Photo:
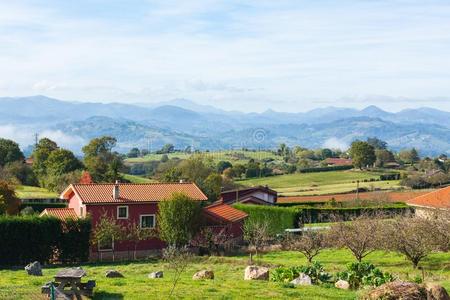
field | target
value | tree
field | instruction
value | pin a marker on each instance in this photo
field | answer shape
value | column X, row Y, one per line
column 100, row 161
column 383, row 156
column 223, row 165
column 9, row 152
column 9, row 203
column 59, row 164
column 212, row 241
column 257, row 234
column 310, row 243
column 377, row 143
column 106, row 232
column 40, row 155
column 135, row 234
column 412, row 237
column 134, row 152
column 18, row 172
column 171, row 175
column 178, row 219
column 86, row 178
column 212, row 186
column 362, row 154
column 167, row 148
column 177, row 260
column 360, row 236
column 409, row 156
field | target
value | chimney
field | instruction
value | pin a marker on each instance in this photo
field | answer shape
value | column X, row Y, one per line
column 116, row 190
column 181, row 181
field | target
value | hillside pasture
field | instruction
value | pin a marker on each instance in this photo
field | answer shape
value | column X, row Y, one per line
column 33, row 192
column 228, row 282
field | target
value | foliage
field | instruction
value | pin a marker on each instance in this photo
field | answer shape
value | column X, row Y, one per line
column 212, row 242
column 376, row 143
column 364, row 274
column 39, row 206
column 278, row 218
column 362, row 154
column 107, row 231
column 223, row 165
column 314, row 270
column 134, row 152
column 103, row 164
column 40, row 155
column 135, row 233
column 9, row 152
column 310, row 243
column 324, row 169
column 18, row 172
column 212, row 186
column 178, row 219
column 73, row 246
column 86, row 178
column 9, row 203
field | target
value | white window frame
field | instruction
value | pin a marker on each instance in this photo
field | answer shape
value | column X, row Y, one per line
column 106, row 249
column 118, row 208
column 147, row 215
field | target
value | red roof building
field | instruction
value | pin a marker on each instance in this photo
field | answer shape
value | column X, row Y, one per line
column 222, row 217
column 334, row 161
column 60, row 213
column 254, row 195
column 439, row 199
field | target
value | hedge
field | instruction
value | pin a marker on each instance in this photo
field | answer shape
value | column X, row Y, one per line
column 40, row 206
column 279, row 218
column 31, row 238
column 325, row 169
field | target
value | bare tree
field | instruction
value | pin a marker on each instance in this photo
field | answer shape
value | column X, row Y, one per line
column 257, row 234
column 177, row 260
column 441, row 229
column 360, row 236
column 136, row 233
column 412, row 237
column 310, row 243
column 213, row 241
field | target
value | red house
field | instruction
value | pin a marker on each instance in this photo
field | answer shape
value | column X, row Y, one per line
column 128, row 203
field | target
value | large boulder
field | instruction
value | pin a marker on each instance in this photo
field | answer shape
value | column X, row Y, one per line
column 203, row 274
column 342, row 284
column 397, row 290
column 113, row 274
column 34, row 269
column 256, row 273
column 157, row 274
column 302, row 279
column 436, row 292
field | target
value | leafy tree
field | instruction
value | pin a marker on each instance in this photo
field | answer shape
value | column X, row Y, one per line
column 383, row 156
column 19, row 172
column 283, row 150
column 362, row 154
column 61, row 161
column 86, row 178
column 172, row 175
column 377, row 143
column 223, row 165
column 164, row 158
column 134, row 152
column 107, row 231
column 212, row 186
column 40, row 154
column 195, row 169
column 9, row 203
column 100, row 161
column 167, row 148
column 178, row 219
column 238, row 170
column 409, row 156
column 253, row 169
column 326, row 153
column 9, row 152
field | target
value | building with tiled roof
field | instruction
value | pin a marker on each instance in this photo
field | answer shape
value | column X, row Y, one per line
column 60, row 213
column 438, row 199
column 222, row 217
column 335, row 161
column 253, row 195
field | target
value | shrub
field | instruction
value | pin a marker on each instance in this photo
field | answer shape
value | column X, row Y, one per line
column 364, row 274
column 278, row 218
column 39, row 206
column 73, row 245
column 315, row 271
column 325, row 169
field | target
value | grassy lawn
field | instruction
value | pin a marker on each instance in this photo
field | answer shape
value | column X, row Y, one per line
column 231, row 156
column 321, row 183
column 136, row 179
column 228, row 282
column 33, row 192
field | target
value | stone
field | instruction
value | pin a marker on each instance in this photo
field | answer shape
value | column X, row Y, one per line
column 256, row 273
column 342, row 284
column 203, row 274
column 113, row 274
column 157, row 274
column 302, row 279
column 397, row 290
column 34, row 269
column 436, row 292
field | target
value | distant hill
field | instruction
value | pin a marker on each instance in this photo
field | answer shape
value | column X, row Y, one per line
column 185, row 123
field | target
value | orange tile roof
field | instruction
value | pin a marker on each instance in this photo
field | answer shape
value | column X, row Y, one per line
column 132, row 192
column 60, row 213
column 436, row 199
column 339, row 161
column 225, row 212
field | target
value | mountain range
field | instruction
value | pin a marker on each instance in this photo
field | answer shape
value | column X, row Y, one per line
column 185, row 123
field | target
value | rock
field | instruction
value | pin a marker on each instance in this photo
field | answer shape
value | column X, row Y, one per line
column 256, row 273
column 34, row 269
column 436, row 292
column 157, row 274
column 203, row 274
column 303, row 279
column 342, row 284
column 397, row 290
column 113, row 274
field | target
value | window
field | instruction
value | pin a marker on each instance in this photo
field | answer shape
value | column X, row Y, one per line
column 147, row 221
column 107, row 245
column 122, row 212
column 81, row 211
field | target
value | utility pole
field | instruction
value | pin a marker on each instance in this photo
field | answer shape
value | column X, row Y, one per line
column 357, row 189
column 36, row 139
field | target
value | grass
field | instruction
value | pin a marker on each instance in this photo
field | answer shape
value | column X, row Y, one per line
column 136, row 179
column 33, row 192
column 234, row 156
column 322, row 183
column 228, row 282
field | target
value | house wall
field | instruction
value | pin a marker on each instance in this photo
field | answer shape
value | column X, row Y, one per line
column 134, row 212
column 77, row 205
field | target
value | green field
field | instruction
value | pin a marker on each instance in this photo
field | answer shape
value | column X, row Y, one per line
column 136, row 179
column 232, row 156
column 321, row 183
column 33, row 192
column 228, row 282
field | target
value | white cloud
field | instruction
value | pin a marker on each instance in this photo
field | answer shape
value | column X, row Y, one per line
column 335, row 143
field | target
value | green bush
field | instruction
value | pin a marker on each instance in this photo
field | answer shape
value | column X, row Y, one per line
column 39, row 206
column 29, row 238
column 325, row 169
column 360, row 274
column 315, row 271
column 279, row 218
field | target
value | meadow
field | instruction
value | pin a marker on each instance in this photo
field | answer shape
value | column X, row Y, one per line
column 228, row 282
column 33, row 192
column 322, row 183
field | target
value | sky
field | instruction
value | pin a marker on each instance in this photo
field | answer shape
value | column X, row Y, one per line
column 237, row 55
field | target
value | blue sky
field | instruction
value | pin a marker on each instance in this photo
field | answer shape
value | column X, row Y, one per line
column 243, row 55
